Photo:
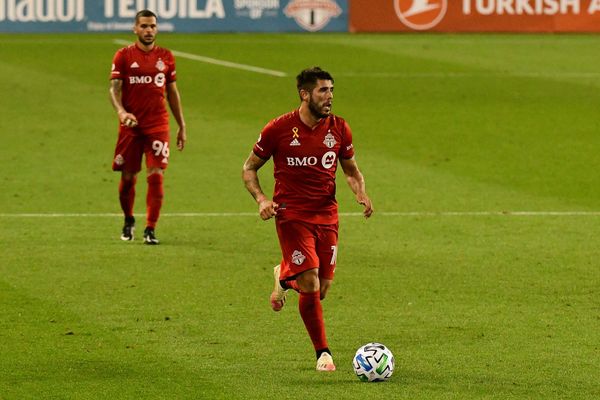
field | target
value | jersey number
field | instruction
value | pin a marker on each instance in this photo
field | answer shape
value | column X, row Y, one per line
column 334, row 255
column 161, row 148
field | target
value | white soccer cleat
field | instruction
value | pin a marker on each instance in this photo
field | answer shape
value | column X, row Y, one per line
column 325, row 363
column 278, row 296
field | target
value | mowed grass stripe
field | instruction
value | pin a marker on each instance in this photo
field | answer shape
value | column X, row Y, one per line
column 223, row 63
column 473, row 74
column 342, row 214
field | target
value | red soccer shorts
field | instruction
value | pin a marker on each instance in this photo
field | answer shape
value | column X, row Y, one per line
column 132, row 144
column 307, row 246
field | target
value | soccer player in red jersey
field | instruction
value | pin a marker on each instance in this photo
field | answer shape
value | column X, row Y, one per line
column 142, row 75
column 306, row 145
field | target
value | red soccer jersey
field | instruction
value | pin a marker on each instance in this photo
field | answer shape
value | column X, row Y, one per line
column 145, row 76
column 305, row 162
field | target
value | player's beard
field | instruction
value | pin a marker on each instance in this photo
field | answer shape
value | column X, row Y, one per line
column 145, row 41
column 316, row 111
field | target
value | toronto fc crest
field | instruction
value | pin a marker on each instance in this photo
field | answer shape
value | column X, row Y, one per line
column 297, row 257
column 329, row 140
column 312, row 15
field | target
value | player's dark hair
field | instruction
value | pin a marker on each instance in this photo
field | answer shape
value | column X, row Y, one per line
column 144, row 13
column 307, row 79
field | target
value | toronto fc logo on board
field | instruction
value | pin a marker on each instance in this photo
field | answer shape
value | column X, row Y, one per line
column 312, row 15
column 420, row 15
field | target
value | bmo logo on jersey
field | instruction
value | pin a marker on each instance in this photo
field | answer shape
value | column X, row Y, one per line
column 327, row 161
column 301, row 161
column 159, row 80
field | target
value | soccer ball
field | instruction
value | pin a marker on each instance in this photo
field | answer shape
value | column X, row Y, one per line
column 373, row 362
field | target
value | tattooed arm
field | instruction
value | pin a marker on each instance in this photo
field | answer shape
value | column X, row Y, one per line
column 116, row 91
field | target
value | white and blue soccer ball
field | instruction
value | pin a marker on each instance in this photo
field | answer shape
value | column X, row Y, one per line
column 373, row 362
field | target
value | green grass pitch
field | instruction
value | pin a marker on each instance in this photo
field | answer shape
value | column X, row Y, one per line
column 454, row 133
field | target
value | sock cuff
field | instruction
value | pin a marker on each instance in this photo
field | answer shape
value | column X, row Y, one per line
column 306, row 295
column 154, row 178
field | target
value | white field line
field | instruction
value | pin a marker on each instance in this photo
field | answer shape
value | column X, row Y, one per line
column 215, row 61
column 343, row 214
column 393, row 74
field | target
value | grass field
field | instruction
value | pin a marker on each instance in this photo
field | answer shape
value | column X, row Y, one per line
column 479, row 269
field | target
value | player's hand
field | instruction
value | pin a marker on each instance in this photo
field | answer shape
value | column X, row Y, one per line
column 366, row 203
column 267, row 209
column 128, row 119
column 181, row 138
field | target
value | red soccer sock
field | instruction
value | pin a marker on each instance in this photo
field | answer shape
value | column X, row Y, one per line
column 127, row 195
column 154, row 199
column 312, row 315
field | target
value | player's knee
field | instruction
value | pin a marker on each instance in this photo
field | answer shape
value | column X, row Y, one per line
column 128, row 176
column 308, row 281
column 153, row 171
column 309, row 286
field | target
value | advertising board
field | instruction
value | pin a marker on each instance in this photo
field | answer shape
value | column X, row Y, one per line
column 475, row 16
column 175, row 15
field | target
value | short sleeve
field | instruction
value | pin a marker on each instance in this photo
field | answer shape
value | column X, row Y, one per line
column 118, row 65
column 347, row 148
column 172, row 75
column 265, row 144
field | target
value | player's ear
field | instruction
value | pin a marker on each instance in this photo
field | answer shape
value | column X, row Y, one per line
column 304, row 95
